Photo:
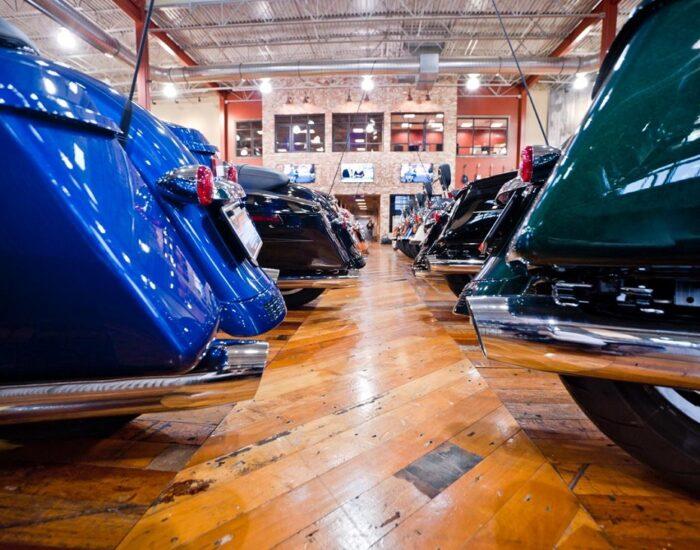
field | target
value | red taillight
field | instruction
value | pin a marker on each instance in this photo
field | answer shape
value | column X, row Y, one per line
column 232, row 174
column 205, row 185
column 436, row 215
column 526, row 159
column 274, row 219
column 482, row 248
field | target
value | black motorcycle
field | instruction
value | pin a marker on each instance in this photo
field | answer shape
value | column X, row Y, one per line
column 304, row 236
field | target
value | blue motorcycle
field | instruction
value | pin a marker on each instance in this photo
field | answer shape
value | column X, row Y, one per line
column 121, row 260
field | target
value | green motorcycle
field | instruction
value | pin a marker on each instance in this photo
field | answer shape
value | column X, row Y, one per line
column 599, row 278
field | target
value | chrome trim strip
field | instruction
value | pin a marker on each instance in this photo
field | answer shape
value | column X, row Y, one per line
column 230, row 371
column 320, row 281
column 271, row 272
column 447, row 267
column 534, row 332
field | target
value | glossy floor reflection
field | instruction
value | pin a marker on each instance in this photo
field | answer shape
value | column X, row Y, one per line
column 376, row 423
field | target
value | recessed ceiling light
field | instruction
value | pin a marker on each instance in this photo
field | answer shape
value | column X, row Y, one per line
column 66, row 39
column 473, row 83
column 580, row 82
column 169, row 90
column 265, row 86
column 367, row 83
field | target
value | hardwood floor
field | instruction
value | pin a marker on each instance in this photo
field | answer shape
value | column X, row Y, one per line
column 377, row 424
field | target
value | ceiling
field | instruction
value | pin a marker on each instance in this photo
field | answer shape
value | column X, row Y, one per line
column 232, row 31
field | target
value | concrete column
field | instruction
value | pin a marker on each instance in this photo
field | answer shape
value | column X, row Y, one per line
column 384, row 213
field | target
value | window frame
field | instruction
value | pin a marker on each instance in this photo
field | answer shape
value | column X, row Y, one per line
column 474, row 118
column 319, row 122
column 253, row 136
column 425, row 123
column 351, row 122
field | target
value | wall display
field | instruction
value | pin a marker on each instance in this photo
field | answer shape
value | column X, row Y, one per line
column 418, row 172
column 357, row 173
column 300, row 173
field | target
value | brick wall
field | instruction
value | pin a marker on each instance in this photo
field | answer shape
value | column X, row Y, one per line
column 386, row 163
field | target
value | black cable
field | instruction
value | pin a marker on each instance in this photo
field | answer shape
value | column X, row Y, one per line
column 125, row 122
column 522, row 76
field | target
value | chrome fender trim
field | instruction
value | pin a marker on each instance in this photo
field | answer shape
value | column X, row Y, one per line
column 320, row 281
column 229, row 372
column 451, row 267
column 534, row 332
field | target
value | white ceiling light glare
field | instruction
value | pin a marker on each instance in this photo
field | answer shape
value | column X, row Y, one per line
column 367, row 83
column 66, row 39
column 169, row 90
column 265, row 86
column 473, row 83
column 580, row 82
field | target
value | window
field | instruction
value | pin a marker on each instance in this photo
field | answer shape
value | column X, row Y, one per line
column 417, row 131
column 300, row 133
column 357, row 132
column 482, row 136
column 249, row 138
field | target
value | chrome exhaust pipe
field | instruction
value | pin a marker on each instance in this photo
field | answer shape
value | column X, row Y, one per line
column 320, row 281
column 229, row 372
column 454, row 267
column 534, row 332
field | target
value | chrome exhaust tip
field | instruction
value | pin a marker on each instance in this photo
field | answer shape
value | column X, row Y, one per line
column 320, row 281
column 229, row 372
column 454, row 267
column 534, row 332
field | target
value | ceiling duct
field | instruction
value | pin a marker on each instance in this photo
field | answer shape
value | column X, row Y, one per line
column 429, row 68
column 67, row 16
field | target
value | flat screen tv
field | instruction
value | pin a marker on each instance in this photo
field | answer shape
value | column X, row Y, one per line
column 300, row 173
column 357, row 173
column 417, row 172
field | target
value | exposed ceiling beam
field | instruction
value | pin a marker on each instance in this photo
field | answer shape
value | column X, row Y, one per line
column 355, row 39
column 577, row 34
column 134, row 11
column 384, row 17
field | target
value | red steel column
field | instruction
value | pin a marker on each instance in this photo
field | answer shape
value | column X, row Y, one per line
column 143, row 78
column 609, row 26
column 223, row 124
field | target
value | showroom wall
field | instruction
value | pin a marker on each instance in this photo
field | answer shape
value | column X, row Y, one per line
column 567, row 109
column 241, row 111
column 386, row 163
column 204, row 113
column 201, row 112
column 476, row 167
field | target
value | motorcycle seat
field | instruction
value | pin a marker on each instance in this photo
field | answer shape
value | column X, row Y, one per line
column 259, row 178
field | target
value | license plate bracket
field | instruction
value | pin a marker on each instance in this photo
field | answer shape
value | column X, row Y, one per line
column 244, row 229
